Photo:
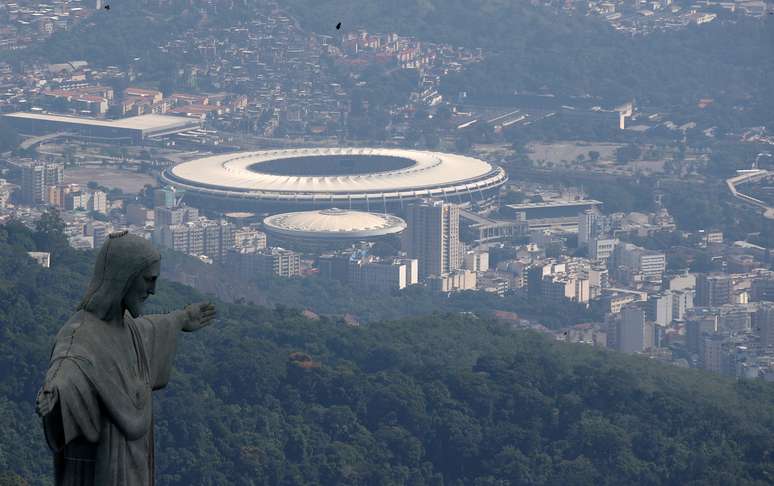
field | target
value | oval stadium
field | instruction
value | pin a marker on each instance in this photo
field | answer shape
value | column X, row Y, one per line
column 311, row 178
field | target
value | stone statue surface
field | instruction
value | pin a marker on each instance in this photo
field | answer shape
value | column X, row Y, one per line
column 95, row 402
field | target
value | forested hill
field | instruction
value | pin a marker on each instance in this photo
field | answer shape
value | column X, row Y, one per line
column 533, row 48
column 269, row 397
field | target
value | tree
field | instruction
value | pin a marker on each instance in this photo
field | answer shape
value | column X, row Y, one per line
column 49, row 232
column 463, row 143
column 513, row 197
column 627, row 153
column 593, row 155
column 432, row 140
column 115, row 193
column 443, row 115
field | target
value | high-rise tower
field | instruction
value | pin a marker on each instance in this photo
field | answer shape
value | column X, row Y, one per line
column 433, row 237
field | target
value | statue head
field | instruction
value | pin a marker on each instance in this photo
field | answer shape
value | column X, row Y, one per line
column 124, row 276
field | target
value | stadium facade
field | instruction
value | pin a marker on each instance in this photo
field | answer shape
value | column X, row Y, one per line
column 374, row 179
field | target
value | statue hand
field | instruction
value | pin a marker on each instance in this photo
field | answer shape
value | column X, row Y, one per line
column 199, row 315
column 46, row 401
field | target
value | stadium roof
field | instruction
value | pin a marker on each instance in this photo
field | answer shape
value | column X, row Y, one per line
column 334, row 223
column 425, row 174
column 142, row 122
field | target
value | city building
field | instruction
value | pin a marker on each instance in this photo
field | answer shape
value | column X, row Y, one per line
column 42, row 258
column 57, row 195
column 682, row 301
column 452, row 282
column 560, row 286
column 433, row 237
column 736, row 318
column 198, row 237
column 492, row 282
column 712, row 355
column 631, row 330
column 36, row 178
column 476, row 261
column 591, row 225
column 601, row 248
column 599, row 279
column 335, row 266
column 559, row 214
column 482, row 229
column 647, row 264
column 250, row 263
column 5, row 193
column 679, row 281
column 98, row 231
column 696, row 327
column 713, row 290
column 713, row 238
column 164, row 198
column 247, row 237
column 763, row 323
column 556, row 280
column 218, row 239
column 77, row 200
column 659, row 308
column 98, row 202
column 164, row 216
column 383, row 275
column 278, row 261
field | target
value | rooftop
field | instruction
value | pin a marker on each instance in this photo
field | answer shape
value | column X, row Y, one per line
column 556, row 203
column 334, row 222
column 143, row 122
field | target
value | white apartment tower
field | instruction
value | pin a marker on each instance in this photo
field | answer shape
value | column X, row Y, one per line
column 433, row 237
column 36, row 177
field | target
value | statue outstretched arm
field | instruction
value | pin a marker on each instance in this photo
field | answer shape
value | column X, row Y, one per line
column 159, row 333
column 197, row 316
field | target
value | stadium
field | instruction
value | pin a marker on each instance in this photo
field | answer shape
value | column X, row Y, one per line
column 329, row 228
column 366, row 178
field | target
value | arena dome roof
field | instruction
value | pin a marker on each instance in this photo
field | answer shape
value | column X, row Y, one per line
column 334, row 223
column 336, row 176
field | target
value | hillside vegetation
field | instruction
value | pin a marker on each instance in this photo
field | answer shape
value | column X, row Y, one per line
column 267, row 397
column 534, row 47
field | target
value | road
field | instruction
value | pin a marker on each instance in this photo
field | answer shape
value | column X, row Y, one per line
column 747, row 177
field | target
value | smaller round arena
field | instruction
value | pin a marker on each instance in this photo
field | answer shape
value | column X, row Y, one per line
column 329, row 228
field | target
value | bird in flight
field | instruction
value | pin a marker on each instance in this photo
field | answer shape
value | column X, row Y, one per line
column 338, row 26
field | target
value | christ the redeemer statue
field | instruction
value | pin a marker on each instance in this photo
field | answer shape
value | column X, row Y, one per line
column 96, row 399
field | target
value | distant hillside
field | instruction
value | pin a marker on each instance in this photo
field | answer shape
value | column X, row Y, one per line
column 529, row 49
column 267, row 397
column 533, row 47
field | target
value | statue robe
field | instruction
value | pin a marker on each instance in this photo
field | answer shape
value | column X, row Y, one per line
column 101, row 430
